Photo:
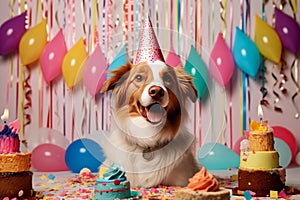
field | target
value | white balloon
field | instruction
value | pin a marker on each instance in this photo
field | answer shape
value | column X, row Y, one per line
column 46, row 136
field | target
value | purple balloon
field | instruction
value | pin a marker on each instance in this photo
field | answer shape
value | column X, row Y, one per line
column 11, row 33
column 288, row 30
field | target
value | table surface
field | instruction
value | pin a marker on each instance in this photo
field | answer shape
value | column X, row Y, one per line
column 67, row 185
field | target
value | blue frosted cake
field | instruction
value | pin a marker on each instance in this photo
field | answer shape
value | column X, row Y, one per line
column 113, row 185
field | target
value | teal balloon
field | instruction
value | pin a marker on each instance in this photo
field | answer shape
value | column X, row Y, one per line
column 284, row 151
column 216, row 156
column 245, row 53
column 196, row 68
column 120, row 60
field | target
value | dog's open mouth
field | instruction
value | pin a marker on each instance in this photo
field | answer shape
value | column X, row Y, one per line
column 154, row 113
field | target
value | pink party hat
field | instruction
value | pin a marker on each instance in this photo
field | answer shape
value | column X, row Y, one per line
column 148, row 50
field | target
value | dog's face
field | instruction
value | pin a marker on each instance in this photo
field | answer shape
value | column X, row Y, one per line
column 149, row 100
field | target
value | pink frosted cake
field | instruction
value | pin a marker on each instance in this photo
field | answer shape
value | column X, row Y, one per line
column 15, row 174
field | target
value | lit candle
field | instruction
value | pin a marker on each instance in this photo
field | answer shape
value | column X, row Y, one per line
column 260, row 113
column 5, row 115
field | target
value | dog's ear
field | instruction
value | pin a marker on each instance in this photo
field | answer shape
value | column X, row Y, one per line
column 119, row 76
column 186, row 84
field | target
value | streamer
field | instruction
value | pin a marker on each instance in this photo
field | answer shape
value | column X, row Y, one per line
column 294, row 76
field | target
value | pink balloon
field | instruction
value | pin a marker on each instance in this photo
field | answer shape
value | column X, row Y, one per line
column 49, row 158
column 287, row 136
column 94, row 73
column 11, row 33
column 52, row 57
column 236, row 147
column 221, row 63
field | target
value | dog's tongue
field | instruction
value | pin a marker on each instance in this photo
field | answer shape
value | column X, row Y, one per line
column 155, row 113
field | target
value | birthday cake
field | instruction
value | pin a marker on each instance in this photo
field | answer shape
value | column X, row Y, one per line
column 15, row 174
column 259, row 170
column 202, row 186
column 112, row 184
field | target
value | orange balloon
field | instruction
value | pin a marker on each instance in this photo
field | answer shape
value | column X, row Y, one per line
column 33, row 42
column 267, row 40
column 73, row 64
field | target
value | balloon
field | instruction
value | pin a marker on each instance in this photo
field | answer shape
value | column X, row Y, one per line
column 33, row 42
column 215, row 156
column 52, row 57
column 48, row 158
column 288, row 137
column 221, row 63
column 46, row 135
column 285, row 155
column 94, row 73
column 297, row 158
column 267, row 40
column 84, row 153
column 236, row 147
column 245, row 53
column 120, row 60
column 11, row 33
column 288, row 30
column 73, row 62
column 196, row 68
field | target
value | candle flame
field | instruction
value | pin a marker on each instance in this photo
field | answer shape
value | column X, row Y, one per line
column 5, row 114
column 260, row 112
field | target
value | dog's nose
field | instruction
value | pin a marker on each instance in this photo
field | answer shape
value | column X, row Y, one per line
column 156, row 92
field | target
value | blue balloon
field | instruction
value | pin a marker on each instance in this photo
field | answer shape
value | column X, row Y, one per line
column 84, row 153
column 119, row 61
column 284, row 151
column 245, row 53
column 215, row 156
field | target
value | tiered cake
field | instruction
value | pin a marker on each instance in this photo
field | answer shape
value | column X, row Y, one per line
column 259, row 169
column 15, row 177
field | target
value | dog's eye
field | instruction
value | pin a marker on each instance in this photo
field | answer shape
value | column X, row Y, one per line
column 167, row 78
column 139, row 77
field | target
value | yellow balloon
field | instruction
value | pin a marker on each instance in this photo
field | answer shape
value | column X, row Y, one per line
column 267, row 40
column 73, row 63
column 33, row 42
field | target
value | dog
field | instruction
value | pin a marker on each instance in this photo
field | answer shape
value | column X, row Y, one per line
column 148, row 137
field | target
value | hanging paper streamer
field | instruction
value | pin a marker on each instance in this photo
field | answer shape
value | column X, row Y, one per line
column 172, row 58
column 52, row 57
column 120, row 60
column 288, row 30
column 196, row 68
column 267, row 40
column 94, row 73
column 11, row 33
column 245, row 53
column 72, row 64
column 221, row 63
column 32, row 43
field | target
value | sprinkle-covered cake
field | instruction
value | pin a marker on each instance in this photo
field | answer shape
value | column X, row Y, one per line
column 15, row 174
column 202, row 186
column 259, row 170
column 112, row 184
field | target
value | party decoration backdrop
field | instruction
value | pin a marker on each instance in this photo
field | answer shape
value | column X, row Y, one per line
column 241, row 54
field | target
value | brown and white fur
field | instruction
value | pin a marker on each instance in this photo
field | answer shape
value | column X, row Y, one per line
column 148, row 138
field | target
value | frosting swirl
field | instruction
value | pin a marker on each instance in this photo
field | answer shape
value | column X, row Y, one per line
column 114, row 172
column 203, row 181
